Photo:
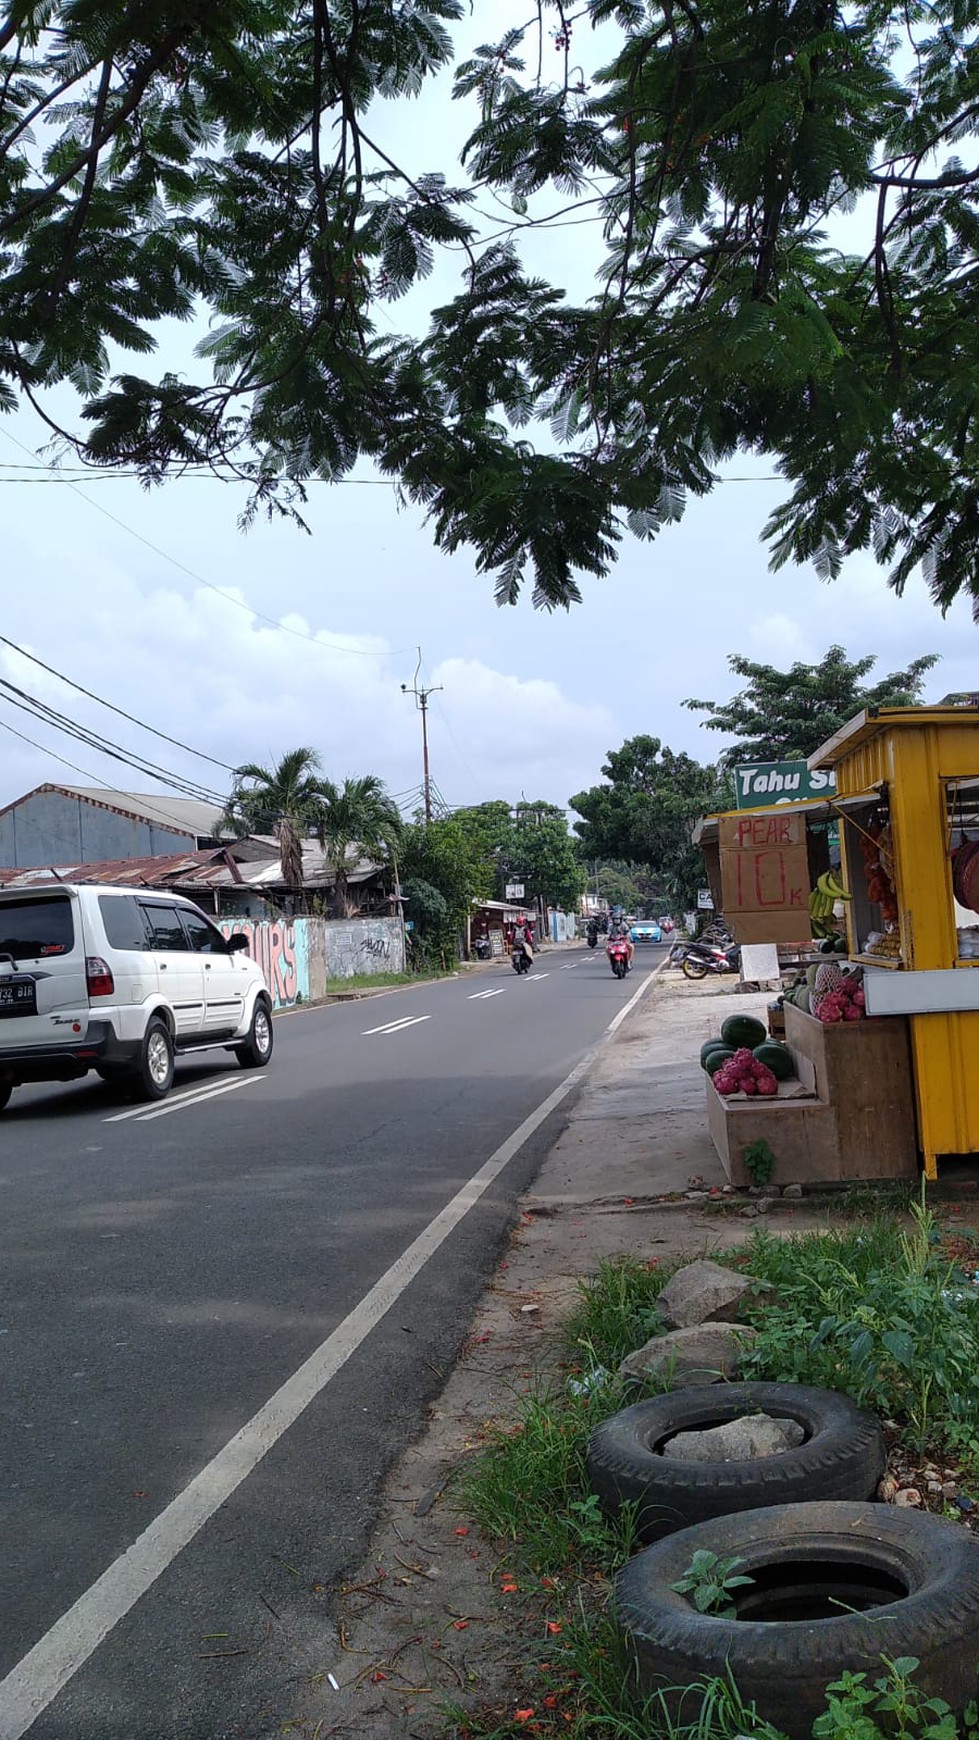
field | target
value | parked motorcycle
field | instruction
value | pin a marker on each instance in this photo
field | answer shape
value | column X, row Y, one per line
column 521, row 961
column 618, row 951
column 701, row 958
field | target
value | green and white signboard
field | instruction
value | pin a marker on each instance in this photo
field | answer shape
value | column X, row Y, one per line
column 780, row 782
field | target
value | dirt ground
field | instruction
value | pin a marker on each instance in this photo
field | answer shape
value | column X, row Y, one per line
column 432, row 1618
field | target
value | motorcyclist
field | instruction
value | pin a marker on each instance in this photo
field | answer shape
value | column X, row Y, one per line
column 618, row 929
column 523, row 939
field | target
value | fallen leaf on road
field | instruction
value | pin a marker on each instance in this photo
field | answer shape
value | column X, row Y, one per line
column 461, row 1531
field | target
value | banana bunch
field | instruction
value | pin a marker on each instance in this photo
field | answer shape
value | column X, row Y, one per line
column 828, row 890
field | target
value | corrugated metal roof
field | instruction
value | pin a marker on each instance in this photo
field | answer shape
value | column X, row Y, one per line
column 213, row 866
column 189, row 815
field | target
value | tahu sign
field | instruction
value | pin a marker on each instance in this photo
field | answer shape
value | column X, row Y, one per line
column 765, row 877
column 781, row 782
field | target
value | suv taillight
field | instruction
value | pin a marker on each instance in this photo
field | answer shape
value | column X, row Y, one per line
column 98, row 979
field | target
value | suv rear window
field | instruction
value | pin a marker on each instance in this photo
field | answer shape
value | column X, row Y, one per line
column 124, row 927
column 32, row 929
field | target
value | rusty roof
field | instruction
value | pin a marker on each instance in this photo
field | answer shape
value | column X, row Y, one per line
column 215, row 865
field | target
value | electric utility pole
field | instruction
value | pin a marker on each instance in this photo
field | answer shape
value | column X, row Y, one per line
column 421, row 702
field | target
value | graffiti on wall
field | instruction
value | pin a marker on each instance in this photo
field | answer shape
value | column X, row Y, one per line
column 281, row 948
column 378, row 947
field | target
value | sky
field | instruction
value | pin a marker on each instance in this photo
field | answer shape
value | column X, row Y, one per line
column 244, row 645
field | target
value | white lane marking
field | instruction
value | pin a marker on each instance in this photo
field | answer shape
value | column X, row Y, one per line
column 38, row 1678
column 397, row 1026
column 213, row 1093
column 480, row 996
column 532, row 976
column 188, row 1093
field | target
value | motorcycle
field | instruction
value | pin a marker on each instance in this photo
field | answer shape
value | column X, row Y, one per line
column 617, row 950
column 522, row 962
column 592, row 936
column 701, row 958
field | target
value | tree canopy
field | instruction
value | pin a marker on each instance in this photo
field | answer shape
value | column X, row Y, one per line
column 285, row 801
column 784, row 715
column 645, row 812
column 785, row 244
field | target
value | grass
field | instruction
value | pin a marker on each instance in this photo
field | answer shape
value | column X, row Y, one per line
column 380, row 981
column 887, row 1313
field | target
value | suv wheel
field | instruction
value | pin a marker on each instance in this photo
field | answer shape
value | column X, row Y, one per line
column 257, row 1049
column 154, row 1073
column 6, row 1089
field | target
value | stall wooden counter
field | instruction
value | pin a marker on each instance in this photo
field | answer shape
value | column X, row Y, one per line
column 859, row 1124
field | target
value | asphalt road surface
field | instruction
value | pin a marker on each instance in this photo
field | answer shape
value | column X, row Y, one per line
column 223, row 1317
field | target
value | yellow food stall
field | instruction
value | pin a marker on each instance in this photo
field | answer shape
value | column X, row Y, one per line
column 908, row 788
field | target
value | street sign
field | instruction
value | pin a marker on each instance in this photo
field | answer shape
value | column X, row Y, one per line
column 705, row 901
column 514, row 890
column 781, row 782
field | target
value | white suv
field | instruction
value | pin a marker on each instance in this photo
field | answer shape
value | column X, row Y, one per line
column 105, row 979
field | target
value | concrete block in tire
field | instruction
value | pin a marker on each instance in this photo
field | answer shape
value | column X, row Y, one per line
column 916, row 1576
column 842, row 1456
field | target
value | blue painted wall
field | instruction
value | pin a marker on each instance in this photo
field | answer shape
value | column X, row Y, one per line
column 55, row 828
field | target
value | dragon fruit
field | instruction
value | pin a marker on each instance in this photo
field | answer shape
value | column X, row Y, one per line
column 745, row 1074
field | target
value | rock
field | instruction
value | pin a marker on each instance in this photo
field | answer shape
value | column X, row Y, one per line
column 704, row 1292
column 763, row 1190
column 887, row 1489
column 765, row 1205
column 792, row 1190
column 751, row 1212
column 737, row 1440
column 702, row 1353
column 949, row 1490
column 934, row 1488
column 697, row 1195
column 908, row 1497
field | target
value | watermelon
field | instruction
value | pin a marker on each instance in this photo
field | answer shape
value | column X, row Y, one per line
column 743, row 1032
column 777, row 1058
column 716, row 1059
column 709, row 1045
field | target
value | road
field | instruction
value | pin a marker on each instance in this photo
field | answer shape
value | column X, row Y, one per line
column 169, row 1534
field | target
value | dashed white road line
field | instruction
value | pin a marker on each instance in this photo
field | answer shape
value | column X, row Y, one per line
column 480, row 996
column 189, row 1097
column 532, row 976
column 397, row 1026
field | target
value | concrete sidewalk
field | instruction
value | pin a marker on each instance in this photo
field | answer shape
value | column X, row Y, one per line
column 423, row 1622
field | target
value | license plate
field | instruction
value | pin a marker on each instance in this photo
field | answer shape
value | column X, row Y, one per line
column 18, row 997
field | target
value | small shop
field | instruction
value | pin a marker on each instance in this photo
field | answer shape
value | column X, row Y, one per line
column 866, row 907
column 494, row 924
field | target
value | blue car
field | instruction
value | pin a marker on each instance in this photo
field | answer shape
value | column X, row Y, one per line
column 646, row 930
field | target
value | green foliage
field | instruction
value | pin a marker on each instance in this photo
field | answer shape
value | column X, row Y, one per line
column 237, row 159
column 529, row 1485
column 283, row 801
column 786, row 715
column 360, row 815
column 709, row 1581
column 645, row 812
column 879, row 1313
column 451, row 860
column 890, row 1707
column 758, row 1161
column 616, row 1309
column 531, row 845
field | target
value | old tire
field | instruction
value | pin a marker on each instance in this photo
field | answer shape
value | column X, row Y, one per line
column 842, row 1456
column 6, row 1089
column 913, row 1577
column 154, row 1072
column 257, row 1049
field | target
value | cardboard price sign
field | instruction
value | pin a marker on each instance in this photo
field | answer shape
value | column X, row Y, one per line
column 765, row 877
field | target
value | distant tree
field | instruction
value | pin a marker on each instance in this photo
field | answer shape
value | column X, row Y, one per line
column 627, row 885
column 357, row 813
column 285, row 801
column 645, row 811
column 543, row 857
column 785, row 715
column 428, row 912
column 446, row 856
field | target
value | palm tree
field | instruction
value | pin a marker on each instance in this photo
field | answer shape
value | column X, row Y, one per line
column 285, row 800
column 357, row 813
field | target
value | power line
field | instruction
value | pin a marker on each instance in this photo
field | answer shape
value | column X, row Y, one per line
column 314, row 640
column 16, row 697
column 176, row 742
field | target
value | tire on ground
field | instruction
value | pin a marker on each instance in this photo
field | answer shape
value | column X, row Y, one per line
column 154, row 1072
column 257, row 1048
column 924, row 1569
column 6, row 1089
column 842, row 1456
